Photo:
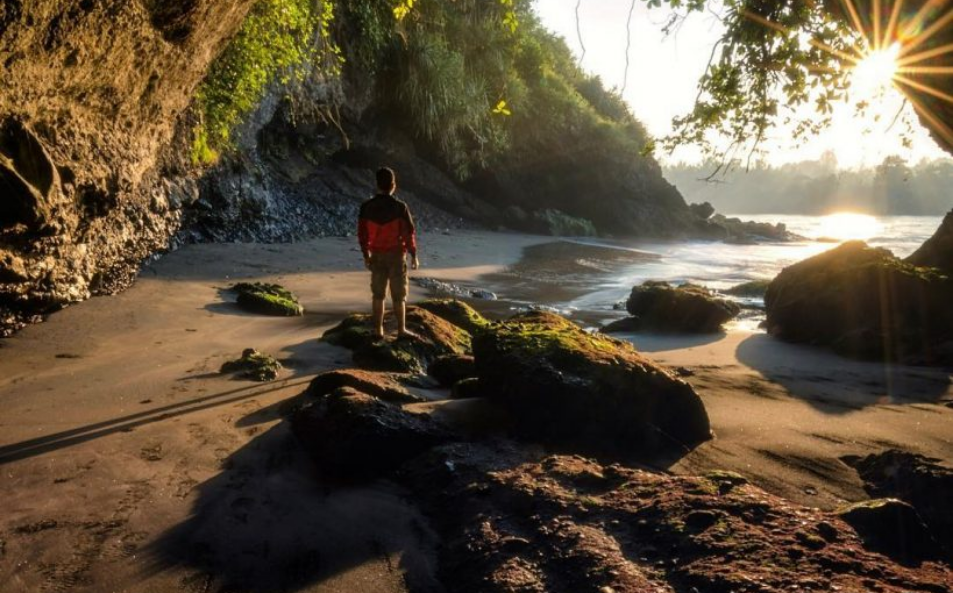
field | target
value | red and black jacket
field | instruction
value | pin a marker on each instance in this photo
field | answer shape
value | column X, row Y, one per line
column 385, row 225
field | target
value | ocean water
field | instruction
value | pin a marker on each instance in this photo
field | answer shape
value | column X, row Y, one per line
column 720, row 265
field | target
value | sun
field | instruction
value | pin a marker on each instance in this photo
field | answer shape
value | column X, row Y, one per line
column 847, row 226
column 875, row 72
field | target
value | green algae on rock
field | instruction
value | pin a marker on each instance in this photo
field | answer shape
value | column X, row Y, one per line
column 586, row 391
column 456, row 312
column 253, row 365
column 434, row 337
column 267, row 299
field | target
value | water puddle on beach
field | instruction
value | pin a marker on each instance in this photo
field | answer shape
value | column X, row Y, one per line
column 589, row 278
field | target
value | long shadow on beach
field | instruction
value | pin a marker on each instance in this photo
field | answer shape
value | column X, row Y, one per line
column 267, row 524
column 838, row 385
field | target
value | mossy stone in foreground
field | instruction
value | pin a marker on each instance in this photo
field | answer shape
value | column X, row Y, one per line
column 267, row 299
column 435, row 337
column 586, row 391
column 254, row 365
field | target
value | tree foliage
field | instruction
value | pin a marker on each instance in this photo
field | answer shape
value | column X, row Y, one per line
column 279, row 41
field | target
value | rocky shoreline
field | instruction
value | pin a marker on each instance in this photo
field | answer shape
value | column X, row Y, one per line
column 513, row 516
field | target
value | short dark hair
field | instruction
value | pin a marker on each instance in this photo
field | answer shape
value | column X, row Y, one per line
column 386, row 179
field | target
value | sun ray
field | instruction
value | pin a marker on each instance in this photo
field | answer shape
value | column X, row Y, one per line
column 822, row 46
column 925, row 70
column 925, row 55
column 858, row 23
column 892, row 24
column 910, row 28
column 878, row 43
column 941, row 128
column 917, row 39
column 925, row 88
column 930, row 31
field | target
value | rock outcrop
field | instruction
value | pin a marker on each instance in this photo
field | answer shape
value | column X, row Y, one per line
column 354, row 436
column 90, row 103
column 511, row 520
column 864, row 302
column 659, row 306
column 586, row 392
column 434, row 337
column 924, row 483
column 892, row 527
column 937, row 251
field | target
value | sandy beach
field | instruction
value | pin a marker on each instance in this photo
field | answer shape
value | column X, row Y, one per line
column 130, row 464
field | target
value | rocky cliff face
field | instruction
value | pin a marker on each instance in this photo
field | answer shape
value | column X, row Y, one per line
column 91, row 96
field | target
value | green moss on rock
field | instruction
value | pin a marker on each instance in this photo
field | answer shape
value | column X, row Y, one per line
column 458, row 313
column 253, row 365
column 267, row 299
column 435, row 337
column 754, row 288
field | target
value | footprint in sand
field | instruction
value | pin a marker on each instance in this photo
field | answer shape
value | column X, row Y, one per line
column 151, row 453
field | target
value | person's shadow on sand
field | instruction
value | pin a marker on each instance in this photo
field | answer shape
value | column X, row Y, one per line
column 837, row 385
column 266, row 524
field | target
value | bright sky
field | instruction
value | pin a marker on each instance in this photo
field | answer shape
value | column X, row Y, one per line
column 664, row 72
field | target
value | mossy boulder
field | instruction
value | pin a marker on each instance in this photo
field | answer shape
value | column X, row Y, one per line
column 451, row 368
column 864, row 302
column 937, row 251
column 752, row 289
column 355, row 436
column 689, row 308
column 893, row 528
column 253, row 365
column 267, row 299
column 384, row 386
column 435, row 337
column 456, row 312
column 586, row 392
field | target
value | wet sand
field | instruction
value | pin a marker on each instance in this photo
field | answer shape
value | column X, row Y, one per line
column 130, row 464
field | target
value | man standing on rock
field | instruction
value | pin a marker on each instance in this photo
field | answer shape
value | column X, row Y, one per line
column 386, row 232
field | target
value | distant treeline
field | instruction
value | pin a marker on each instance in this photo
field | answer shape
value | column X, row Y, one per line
column 818, row 187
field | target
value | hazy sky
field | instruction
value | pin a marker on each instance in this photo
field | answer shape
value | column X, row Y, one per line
column 664, row 71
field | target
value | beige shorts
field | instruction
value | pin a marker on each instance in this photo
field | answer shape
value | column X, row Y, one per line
column 389, row 267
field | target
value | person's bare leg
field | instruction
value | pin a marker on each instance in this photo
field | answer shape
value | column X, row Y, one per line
column 378, row 316
column 400, row 312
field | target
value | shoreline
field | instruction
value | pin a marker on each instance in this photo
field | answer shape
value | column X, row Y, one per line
column 120, row 440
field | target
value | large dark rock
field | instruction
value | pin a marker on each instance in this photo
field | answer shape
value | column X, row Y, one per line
column 586, row 392
column 451, row 368
column 384, row 386
column 355, row 436
column 686, row 308
column 435, row 337
column 937, row 251
column 864, row 302
column 918, row 480
column 893, row 528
